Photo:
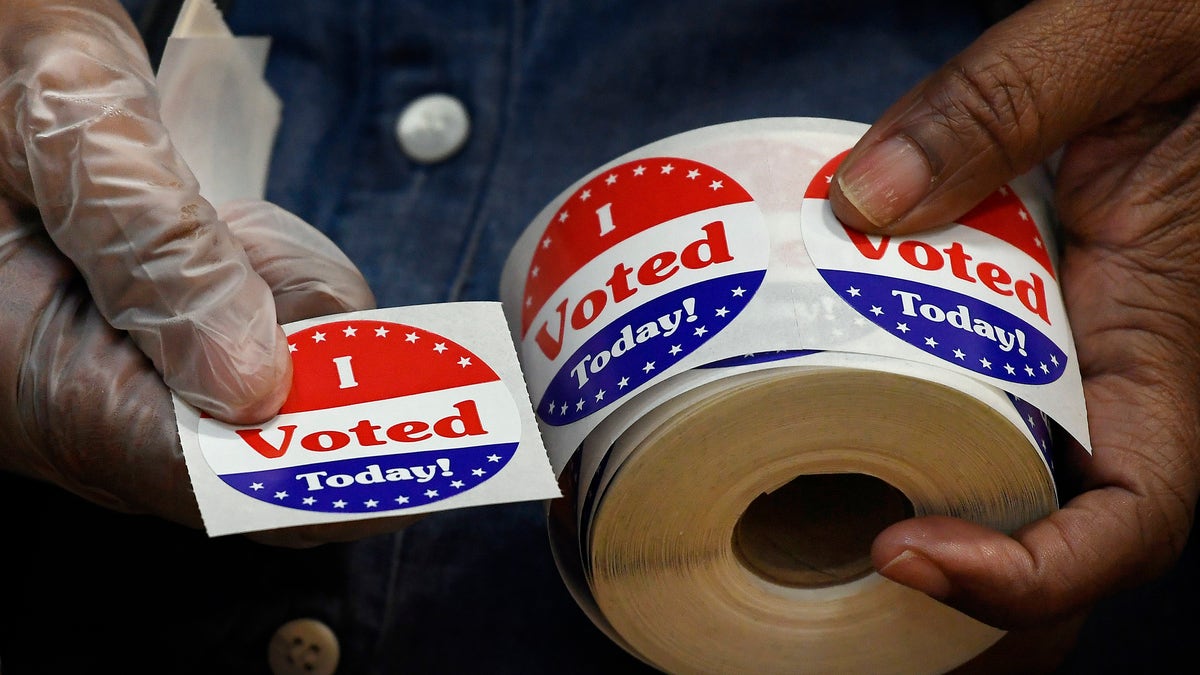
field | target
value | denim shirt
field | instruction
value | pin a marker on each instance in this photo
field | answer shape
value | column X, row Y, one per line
column 553, row 89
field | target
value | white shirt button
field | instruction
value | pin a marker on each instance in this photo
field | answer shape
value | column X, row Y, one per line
column 303, row 647
column 433, row 128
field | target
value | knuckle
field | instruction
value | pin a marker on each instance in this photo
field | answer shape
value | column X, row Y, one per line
column 996, row 100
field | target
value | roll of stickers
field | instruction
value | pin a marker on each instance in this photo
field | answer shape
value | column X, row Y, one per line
column 738, row 393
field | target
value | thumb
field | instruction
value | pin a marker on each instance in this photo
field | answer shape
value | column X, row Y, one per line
column 1007, row 102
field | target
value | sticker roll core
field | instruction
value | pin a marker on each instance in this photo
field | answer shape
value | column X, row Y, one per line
column 692, row 586
column 738, row 393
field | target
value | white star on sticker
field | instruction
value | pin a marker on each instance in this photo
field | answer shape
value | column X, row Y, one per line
column 622, row 383
column 339, row 504
column 1044, row 368
column 675, row 349
column 958, row 354
column 281, row 495
column 477, row 472
column 533, row 271
column 1054, row 359
column 1037, row 241
column 1023, row 215
column 693, row 174
column 715, row 185
column 464, row 361
column 370, row 503
column 292, row 348
column 456, row 483
column 381, row 332
column 493, row 458
column 546, row 242
column 309, row 501
column 1028, row 371
column 439, row 347
column 667, row 168
column 612, row 178
column 876, row 310
column 829, row 178
column 985, row 363
column 256, row 486
column 350, row 331
column 721, row 311
column 639, row 170
column 431, row 493
column 412, row 337
column 318, row 336
column 600, row 396
column 902, row 327
column 931, row 342
column 699, row 332
column 739, row 292
column 648, row 367
column 854, row 292
column 585, row 195
column 579, row 405
column 562, row 217
column 401, row 500
column 529, row 301
column 563, row 409
column 1009, row 369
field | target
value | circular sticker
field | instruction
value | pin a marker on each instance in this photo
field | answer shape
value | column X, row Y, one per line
column 638, row 268
column 981, row 295
column 381, row 416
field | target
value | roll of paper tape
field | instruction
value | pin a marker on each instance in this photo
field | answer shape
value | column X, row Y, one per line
column 738, row 394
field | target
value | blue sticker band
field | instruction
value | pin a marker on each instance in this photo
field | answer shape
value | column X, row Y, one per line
column 642, row 343
column 953, row 327
column 1038, row 425
column 374, row 484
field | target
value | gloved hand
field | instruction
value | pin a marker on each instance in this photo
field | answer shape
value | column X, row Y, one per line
column 108, row 255
column 81, row 140
column 1115, row 83
column 84, row 409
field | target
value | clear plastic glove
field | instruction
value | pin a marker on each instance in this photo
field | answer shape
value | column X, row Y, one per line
column 85, row 410
column 81, row 140
column 1114, row 83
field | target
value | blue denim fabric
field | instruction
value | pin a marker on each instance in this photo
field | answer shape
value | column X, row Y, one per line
column 553, row 89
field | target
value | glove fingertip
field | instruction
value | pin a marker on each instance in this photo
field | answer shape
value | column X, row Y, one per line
column 240, row 388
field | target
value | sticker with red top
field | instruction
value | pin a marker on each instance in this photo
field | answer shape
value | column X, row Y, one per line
column 638, row 268
column 980, row 295
column 382, row 416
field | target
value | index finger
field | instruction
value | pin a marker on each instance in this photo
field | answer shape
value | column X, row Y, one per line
column 88, row 148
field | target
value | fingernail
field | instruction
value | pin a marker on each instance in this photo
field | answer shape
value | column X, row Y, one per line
column 917, row 572
column 887, row 181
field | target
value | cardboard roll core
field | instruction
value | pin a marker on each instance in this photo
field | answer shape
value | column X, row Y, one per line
column 817, row 530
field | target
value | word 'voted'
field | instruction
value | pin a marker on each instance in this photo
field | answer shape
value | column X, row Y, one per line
column 623, row 283
column 365, row 433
